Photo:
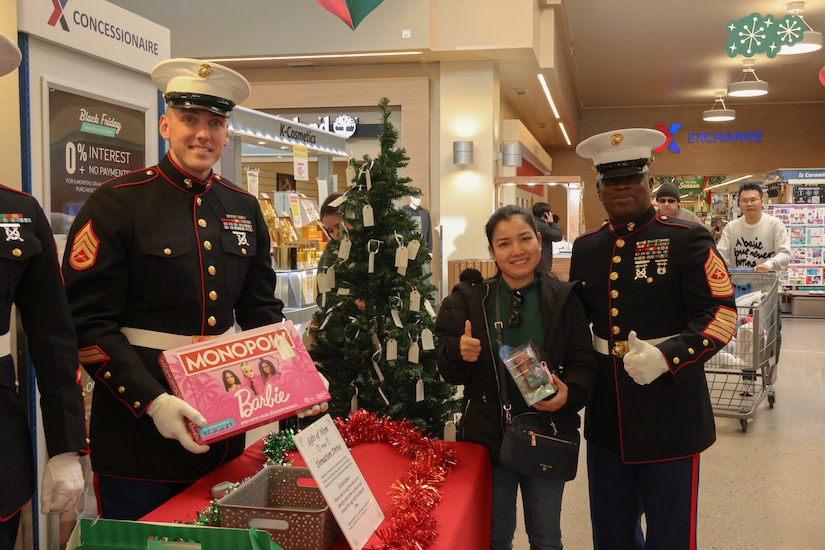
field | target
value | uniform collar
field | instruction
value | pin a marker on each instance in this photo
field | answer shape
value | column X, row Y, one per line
column 181, row 179
column 624, row 230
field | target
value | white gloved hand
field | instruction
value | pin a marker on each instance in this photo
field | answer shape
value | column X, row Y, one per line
column 318, row 408
column 169, row 413
column 62, row 484
column 644, row 363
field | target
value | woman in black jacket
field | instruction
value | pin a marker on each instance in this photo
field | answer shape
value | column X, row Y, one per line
column 533, row 306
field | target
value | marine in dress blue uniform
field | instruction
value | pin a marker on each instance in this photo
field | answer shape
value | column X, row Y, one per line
column 30, row 279
column 154, row 258
column 661, row 304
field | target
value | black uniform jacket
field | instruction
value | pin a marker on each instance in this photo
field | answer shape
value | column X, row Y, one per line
column 30, row 279
column 158, row 250
column 661, row 277
column 567, row 346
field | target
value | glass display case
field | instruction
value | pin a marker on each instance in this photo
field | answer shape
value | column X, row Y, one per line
column 296, row 289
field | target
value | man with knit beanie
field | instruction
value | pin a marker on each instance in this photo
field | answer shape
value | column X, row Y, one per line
column 669, row 203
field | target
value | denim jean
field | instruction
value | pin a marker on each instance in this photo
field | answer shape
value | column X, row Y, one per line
column 541, row 501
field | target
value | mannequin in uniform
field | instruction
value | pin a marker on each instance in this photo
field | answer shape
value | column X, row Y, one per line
column 31, row 281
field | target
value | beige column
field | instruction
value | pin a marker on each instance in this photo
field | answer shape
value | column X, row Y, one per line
column 10, row 105
column 469, row 110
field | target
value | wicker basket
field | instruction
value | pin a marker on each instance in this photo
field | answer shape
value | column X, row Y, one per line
column 279, row 500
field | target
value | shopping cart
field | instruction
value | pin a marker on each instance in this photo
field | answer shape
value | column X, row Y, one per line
column 743, row 373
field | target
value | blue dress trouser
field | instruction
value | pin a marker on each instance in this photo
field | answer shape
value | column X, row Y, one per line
column 665, row 492
column 541, row 499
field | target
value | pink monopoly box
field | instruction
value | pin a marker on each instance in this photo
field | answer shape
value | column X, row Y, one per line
column 244, row 380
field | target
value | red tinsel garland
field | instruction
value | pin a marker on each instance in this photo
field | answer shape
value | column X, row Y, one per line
column 415, row 495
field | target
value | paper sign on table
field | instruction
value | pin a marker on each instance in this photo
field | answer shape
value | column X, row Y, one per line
column 340, row 481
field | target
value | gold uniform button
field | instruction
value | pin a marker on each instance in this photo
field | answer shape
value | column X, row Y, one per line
column 243, row 252
column 584, row 283
column 211, row 270
column 198, row 201
column 614, row 294
column 705, row 342
column 676, row 360
column 121, row 389
column 218, row 177
column 207, row 245
column 202, row 222
column 620, row 243
column 17, row 252
column 614, row 276
column 88, row 441
column 167, row 251
column 691, row 351
column 188, row 183
column 107, row 375
column 213, row 295
column 631, row 226
column 136, row 404
column 150, row 172
column 663, row 217
column 212, row 321
column 616, row 330
column 617, row 259
column 649, row 280
column 614, row 312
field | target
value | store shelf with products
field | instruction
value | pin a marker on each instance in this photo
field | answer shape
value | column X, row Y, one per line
column 296, row 289
column 806, row 225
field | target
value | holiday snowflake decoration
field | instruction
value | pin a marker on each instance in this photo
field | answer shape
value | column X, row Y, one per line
column 763, row 34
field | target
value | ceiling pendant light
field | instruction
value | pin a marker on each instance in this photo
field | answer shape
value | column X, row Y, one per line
column 745, row 87
column 723, row 114
column 811, row 40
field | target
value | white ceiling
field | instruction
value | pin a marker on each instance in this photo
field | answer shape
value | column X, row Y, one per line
column 618, row 54
column 631, row 53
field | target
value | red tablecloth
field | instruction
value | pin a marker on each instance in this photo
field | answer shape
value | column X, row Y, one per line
column 463, row 516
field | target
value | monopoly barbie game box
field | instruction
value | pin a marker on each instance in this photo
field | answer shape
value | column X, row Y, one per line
column 244, row 380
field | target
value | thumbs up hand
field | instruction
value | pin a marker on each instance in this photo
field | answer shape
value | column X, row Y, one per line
column 644, row 363
column 469, row 347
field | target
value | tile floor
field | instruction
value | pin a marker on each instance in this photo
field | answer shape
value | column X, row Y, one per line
column 762, row 489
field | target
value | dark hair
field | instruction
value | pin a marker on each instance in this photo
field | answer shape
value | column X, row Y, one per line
column 505, row 213
column 751, row 187
column 326, row 209
column 540, row 209
column 261, row 364
column 235, row 376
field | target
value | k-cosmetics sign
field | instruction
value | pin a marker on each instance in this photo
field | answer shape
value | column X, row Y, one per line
column 99, row 29
column 728, row 137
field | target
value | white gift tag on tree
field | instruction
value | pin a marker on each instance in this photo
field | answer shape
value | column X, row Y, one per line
column 412, row 354
column 369, row 178
column 419, row 390
column 415, row 300
column 343, row 292
column 429, row 307
column 377, row 370
column 331, row 278
column 392, row 349
column 413, row 246
column 283, row 347
column 353, row 403
column 427, row 341
column 321, row 280
column 396, row 318
column 401, row 257
column 369, row 218
column 344, row 247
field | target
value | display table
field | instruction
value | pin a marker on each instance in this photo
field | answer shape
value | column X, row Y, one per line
column 463, row 517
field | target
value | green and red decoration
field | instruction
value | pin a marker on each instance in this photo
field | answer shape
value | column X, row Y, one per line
column 351, row 12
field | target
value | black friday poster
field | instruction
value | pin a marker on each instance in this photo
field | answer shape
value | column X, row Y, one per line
column 90, row 141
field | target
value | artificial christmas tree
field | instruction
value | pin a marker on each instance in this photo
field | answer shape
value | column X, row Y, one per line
column 373, row 334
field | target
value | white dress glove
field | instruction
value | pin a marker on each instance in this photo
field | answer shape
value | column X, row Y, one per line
column 644, row 363
column 62, row 484
column 169, row 414
column 319, row 407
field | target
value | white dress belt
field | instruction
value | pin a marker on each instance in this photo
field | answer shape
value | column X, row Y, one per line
column 5, row 344
column 162, row 340
column 603, row 346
